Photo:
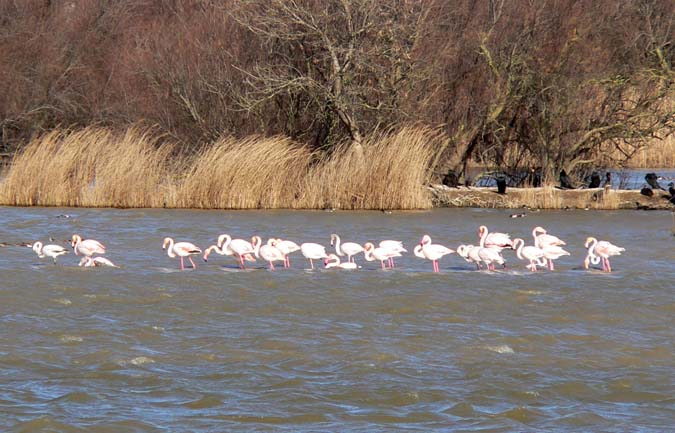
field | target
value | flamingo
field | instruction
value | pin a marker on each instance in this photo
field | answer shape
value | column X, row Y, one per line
column 490, row 256
column 429, row 251
column 240, row 248
column 542, row 239
column 51, row 250
column 181, row 249
column 286, row 247
column 552, row 252
column 268, row 252
column 394, row 246
column 533, row 254
column 604, row 250
column 333, row 261
column 87, row 247
column 312, row 251
column 465, row 251
column 382, row 254
column 496, row 240
column 348, row 249
column 88, row 261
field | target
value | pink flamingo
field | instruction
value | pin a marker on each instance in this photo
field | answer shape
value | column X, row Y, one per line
column 542, row 239
column 429, row 251
column 553, row 252
column 495, row 240
column 286, row 247
column 181, row 249
column 88, row 262
column 470, row 254
column 333, row 261
column 268, row 252
column 240, row 248
column 394, row 246
column 312, row 251
column 604, row 250
column 87, row 247
column 349, row 249
column 382, row 254
column 533, row 254
column 490, row 256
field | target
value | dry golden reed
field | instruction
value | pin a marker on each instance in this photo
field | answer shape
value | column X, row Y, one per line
column 96, row 167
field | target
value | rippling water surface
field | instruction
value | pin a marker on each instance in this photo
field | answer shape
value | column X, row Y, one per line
column 147, row 348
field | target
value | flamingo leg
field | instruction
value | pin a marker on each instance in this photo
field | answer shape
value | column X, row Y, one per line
column 182, row 266
column 551, row 266
column 271, row 266
column 193, row 263
column 311, row 263
column 609, row 267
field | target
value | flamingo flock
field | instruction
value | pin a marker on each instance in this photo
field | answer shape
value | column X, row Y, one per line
column 487, row 255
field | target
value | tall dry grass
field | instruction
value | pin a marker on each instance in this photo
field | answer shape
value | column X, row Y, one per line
column 91, row 167
column 99, row 168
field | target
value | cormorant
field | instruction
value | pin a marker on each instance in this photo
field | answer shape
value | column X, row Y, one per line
column 652, row 180
column 608, row 178
column 501, row 184
column 565, row 182
column 450, row 179
column 646, row 191
column 595, row 180
column 671, row 189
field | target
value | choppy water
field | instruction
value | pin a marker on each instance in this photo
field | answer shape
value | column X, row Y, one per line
column 147, row 348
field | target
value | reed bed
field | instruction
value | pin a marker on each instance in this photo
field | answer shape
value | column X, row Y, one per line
column 96, row 167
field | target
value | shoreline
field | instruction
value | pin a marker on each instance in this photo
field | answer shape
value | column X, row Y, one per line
column 548, row 198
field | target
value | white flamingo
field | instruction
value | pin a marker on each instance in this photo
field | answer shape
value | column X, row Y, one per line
column 50, row 250
column 88, row 261
column 239, row 248
column 429, row 251
column 286, row 247
column 490, row 256
column 182, row 250
column 333, row 261
column 495, row 240
column 394, row 246
column 465, row 251
column 553, row 252
column 602, row 249
column 542, row 239
column 268, row 252
column 533, row 254
column 348, row 249
column 87, row 247
column 382, row 254
column 312, row 251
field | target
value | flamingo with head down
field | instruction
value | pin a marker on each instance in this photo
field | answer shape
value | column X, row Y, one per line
column 393, row 246
column 240, row 248
column 51, row 250
column 181, row 249
column 602, row 249
column 429, row 251
column 312, row 251
column 333, row 261
column 553, row 252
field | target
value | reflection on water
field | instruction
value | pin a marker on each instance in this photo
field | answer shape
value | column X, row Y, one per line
column 148, row 348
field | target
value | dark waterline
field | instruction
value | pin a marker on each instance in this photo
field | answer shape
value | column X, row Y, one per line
column 147, row 348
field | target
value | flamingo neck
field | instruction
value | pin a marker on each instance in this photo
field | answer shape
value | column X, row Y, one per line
column 484, row 232
column 169, row 250
column 519, row 249
column 338, row 250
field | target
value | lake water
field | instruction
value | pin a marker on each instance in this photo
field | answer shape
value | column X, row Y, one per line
column 147, row 348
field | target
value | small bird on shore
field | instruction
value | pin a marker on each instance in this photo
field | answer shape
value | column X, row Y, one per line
column 595, row 180
column 671, row 189
column 646, row 191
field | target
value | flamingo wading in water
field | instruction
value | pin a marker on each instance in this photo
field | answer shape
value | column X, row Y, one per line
column 312, row 251
column 429, row 251
column 496, row 240
column 51, row 250
column 87, row 247
column 393, row 246
column 382, row 254
column 268, row 252
column 602, row 249
column 349, row 249
column 182, row 250
column 333, row 261
column 533, row 254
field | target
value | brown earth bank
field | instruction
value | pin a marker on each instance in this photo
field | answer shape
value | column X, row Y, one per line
column 548, row 198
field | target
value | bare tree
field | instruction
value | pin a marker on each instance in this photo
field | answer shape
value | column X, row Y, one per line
column 346, row 59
